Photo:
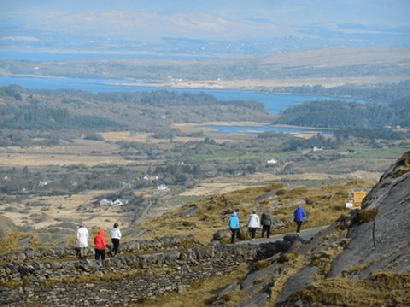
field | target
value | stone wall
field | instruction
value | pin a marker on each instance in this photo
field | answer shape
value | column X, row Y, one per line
column 140, row 246
column 85, row 282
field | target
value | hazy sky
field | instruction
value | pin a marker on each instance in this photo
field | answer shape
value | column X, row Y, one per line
column 248, row 26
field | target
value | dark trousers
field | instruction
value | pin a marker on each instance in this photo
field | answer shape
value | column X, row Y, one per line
column 299, row 224
column 235, row 232
column 99, row 253
column 115, row 244
column 267, row 229
column 81, row 252
column 252, row 232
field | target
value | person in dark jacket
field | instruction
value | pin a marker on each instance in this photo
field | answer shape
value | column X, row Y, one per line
column 99, row 242
column 234, row 225
column 299, row 217
column 266, row 222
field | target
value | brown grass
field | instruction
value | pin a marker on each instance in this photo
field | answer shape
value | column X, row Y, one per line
column 25, row 282
column 404, row 167
column 11, row 242
column 294, row 262
column 81, row 152
column 323, row 204
column 380, row 289
column 65, row 207
column 383, row 288
column 356, row 268
column 365, row 215
column 199, row 293
column 259, row 265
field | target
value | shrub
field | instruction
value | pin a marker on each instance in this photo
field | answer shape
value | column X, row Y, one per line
column 281, row 192
column 259, row 265
column 365, row 216
column 94, row 137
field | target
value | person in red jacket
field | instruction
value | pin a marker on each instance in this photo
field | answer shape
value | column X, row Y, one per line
column 99, row 242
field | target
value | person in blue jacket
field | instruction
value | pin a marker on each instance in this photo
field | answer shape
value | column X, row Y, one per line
column 234, row 225
column 299, row 217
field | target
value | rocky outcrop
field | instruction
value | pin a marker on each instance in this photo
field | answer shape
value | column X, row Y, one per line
column 383, row 242
column 375, row 243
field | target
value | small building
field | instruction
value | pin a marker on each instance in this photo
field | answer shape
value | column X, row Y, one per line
column 272, row 161
column 105, row 202
column 163, row 188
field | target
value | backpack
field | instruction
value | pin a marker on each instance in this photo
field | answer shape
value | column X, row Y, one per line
column 266, row 220
column 299, row 215
column 233, row 222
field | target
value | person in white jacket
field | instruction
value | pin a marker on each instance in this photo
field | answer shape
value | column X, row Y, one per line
column 82, row 242
column 253, row 224
column 115, row 239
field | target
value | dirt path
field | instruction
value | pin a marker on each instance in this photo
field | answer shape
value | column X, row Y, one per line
column 305, row 234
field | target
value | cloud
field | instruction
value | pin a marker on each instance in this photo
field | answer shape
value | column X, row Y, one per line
column 203, row 22
column 19, row 38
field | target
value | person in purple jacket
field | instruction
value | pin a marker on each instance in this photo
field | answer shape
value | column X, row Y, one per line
column 299, row 217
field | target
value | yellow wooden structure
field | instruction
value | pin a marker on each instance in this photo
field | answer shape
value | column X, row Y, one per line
column 358, row 199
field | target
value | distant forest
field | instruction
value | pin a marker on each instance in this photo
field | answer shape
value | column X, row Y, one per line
column 32, row 117
column 341, row 114
column 61, row 109
column 155, row 111
column 159, row 97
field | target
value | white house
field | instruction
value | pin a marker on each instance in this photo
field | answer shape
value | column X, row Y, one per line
column 272, row 161
column 105, row 202
column 163, row 188
column 118, row 202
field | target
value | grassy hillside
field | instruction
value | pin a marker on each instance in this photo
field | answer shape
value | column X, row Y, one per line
column 208, row 215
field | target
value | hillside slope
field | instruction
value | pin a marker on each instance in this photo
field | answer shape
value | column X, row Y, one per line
column 384, row 242
column 363, row 259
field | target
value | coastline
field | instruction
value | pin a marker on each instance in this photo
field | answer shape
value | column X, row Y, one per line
column 276, row 85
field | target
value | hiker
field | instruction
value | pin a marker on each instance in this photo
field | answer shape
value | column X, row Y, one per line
column 99, row 242
column 299, row 217
column 82, row 242
column 234, row 225
column 266, row 221
column 115, row 239
column 253, row 224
